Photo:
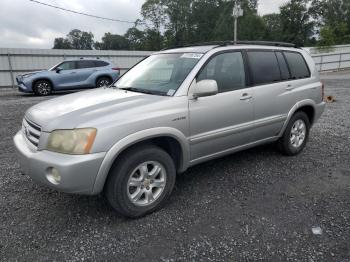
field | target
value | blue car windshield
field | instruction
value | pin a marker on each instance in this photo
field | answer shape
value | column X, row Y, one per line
column 160, row 74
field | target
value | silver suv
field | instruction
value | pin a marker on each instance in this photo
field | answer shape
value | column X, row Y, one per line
column 175, row 109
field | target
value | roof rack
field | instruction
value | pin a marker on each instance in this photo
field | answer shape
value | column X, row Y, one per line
column 229, row 42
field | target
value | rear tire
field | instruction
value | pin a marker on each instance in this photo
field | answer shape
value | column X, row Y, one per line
column 141, row 181
column 296, row 135
column 103, row 81
column 42, row 88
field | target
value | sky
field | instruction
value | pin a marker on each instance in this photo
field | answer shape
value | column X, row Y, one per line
column 25, row 24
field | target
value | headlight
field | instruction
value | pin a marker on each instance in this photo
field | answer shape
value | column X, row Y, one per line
column 75, row 141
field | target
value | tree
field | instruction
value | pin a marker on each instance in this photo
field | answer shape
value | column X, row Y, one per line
column 297, row 26
column 61, row 43
column 273, row 28
column 112, row 42
column 154, row 16
column 135, row 38
column 76, row 39
column 333, row 18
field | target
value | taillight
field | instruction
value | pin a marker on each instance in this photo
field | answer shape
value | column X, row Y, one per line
column 116, row 69
column 322, row 91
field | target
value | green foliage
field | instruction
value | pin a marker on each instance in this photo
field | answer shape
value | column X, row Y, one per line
column 76, row 39
column 169, row 23
column 112, row 42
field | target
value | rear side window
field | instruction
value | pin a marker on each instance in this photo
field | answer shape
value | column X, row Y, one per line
column 297, row 65
column 264, row 67
column 100, row 63
column 85, row 64
column 228, row 71
column 283, row 66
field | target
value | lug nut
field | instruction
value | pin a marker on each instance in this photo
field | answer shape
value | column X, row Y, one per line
column 151, row 181
column 147, row 188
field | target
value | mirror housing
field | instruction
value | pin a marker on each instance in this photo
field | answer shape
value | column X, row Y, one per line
column 204, row 88
column 58, row 69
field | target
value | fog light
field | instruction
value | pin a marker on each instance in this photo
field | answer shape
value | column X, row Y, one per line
column 53, row 176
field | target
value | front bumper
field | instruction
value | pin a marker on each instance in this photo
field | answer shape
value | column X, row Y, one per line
column 23, row 88
column 78, row 172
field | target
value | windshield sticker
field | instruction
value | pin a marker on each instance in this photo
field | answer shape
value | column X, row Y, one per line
column 192, row 55
column 171, row 92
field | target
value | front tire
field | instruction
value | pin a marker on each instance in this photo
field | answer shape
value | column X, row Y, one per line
column 42, row 88
column 103, row 81
column 296, row 135
column 141, row 181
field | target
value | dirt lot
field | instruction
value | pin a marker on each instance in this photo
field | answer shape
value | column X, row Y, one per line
column 253, row 205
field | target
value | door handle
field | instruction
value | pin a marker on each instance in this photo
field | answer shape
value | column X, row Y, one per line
column 289, row 88
column 73, row 72
column 246, row 96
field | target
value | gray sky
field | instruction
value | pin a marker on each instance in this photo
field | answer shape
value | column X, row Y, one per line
column 28, row 25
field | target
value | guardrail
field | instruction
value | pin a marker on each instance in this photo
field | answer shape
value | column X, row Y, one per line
column 332, row 61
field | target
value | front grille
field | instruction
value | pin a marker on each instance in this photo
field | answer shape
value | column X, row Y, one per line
column 31, row 131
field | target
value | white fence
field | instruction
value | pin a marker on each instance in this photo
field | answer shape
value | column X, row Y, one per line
column 14, row 61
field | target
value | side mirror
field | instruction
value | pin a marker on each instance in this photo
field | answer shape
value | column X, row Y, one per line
column 58, row 69
column 205, row 88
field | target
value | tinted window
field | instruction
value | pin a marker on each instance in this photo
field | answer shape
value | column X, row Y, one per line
column 264, row 67
column 100, row 63
column 85, row 64
column 228, row 71
column 297, row 65
column 283, row 66
column 70, row 65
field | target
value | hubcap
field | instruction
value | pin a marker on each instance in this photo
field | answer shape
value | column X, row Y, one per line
column 298, row 133
column 43, row 88
column 103, row 82
column 146, row 183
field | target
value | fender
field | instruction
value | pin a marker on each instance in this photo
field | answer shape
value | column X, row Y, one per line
column 132, row 139
column 306, row 102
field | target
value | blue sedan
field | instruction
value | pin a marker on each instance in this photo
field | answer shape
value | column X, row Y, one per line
column 69, row 75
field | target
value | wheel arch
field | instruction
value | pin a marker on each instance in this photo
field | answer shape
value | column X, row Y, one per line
column 308, row 106
column 103, row 75
column 169, row 139
column 43, row 78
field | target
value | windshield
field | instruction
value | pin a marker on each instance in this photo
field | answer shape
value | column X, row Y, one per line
column 160, row 74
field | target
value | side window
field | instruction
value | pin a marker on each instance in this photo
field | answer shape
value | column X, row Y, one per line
column 228, row 71
column 264, row 67
column 85, row 64
column 69, row 65
column 100, row 63
column 297, row 65
column 283, row 66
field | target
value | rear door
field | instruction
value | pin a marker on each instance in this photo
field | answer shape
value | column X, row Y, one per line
column 85, row 68
column 273, row 98
column 221, row 122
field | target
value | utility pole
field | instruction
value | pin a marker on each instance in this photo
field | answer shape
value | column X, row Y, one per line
column 237, row 12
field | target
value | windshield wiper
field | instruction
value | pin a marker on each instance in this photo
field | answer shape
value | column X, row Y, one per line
column 144, row 91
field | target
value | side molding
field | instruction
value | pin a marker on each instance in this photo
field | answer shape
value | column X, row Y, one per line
column 132, row 139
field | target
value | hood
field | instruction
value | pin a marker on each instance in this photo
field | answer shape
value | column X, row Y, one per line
column 75, row 110
column 34, row 72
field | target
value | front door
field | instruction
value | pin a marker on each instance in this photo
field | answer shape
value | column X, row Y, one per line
column 223, row 121
column 66, row 76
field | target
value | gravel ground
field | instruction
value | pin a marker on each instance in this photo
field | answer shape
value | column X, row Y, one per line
column 254, row 205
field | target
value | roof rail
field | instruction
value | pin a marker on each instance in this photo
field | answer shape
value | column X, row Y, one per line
column 230, row 42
